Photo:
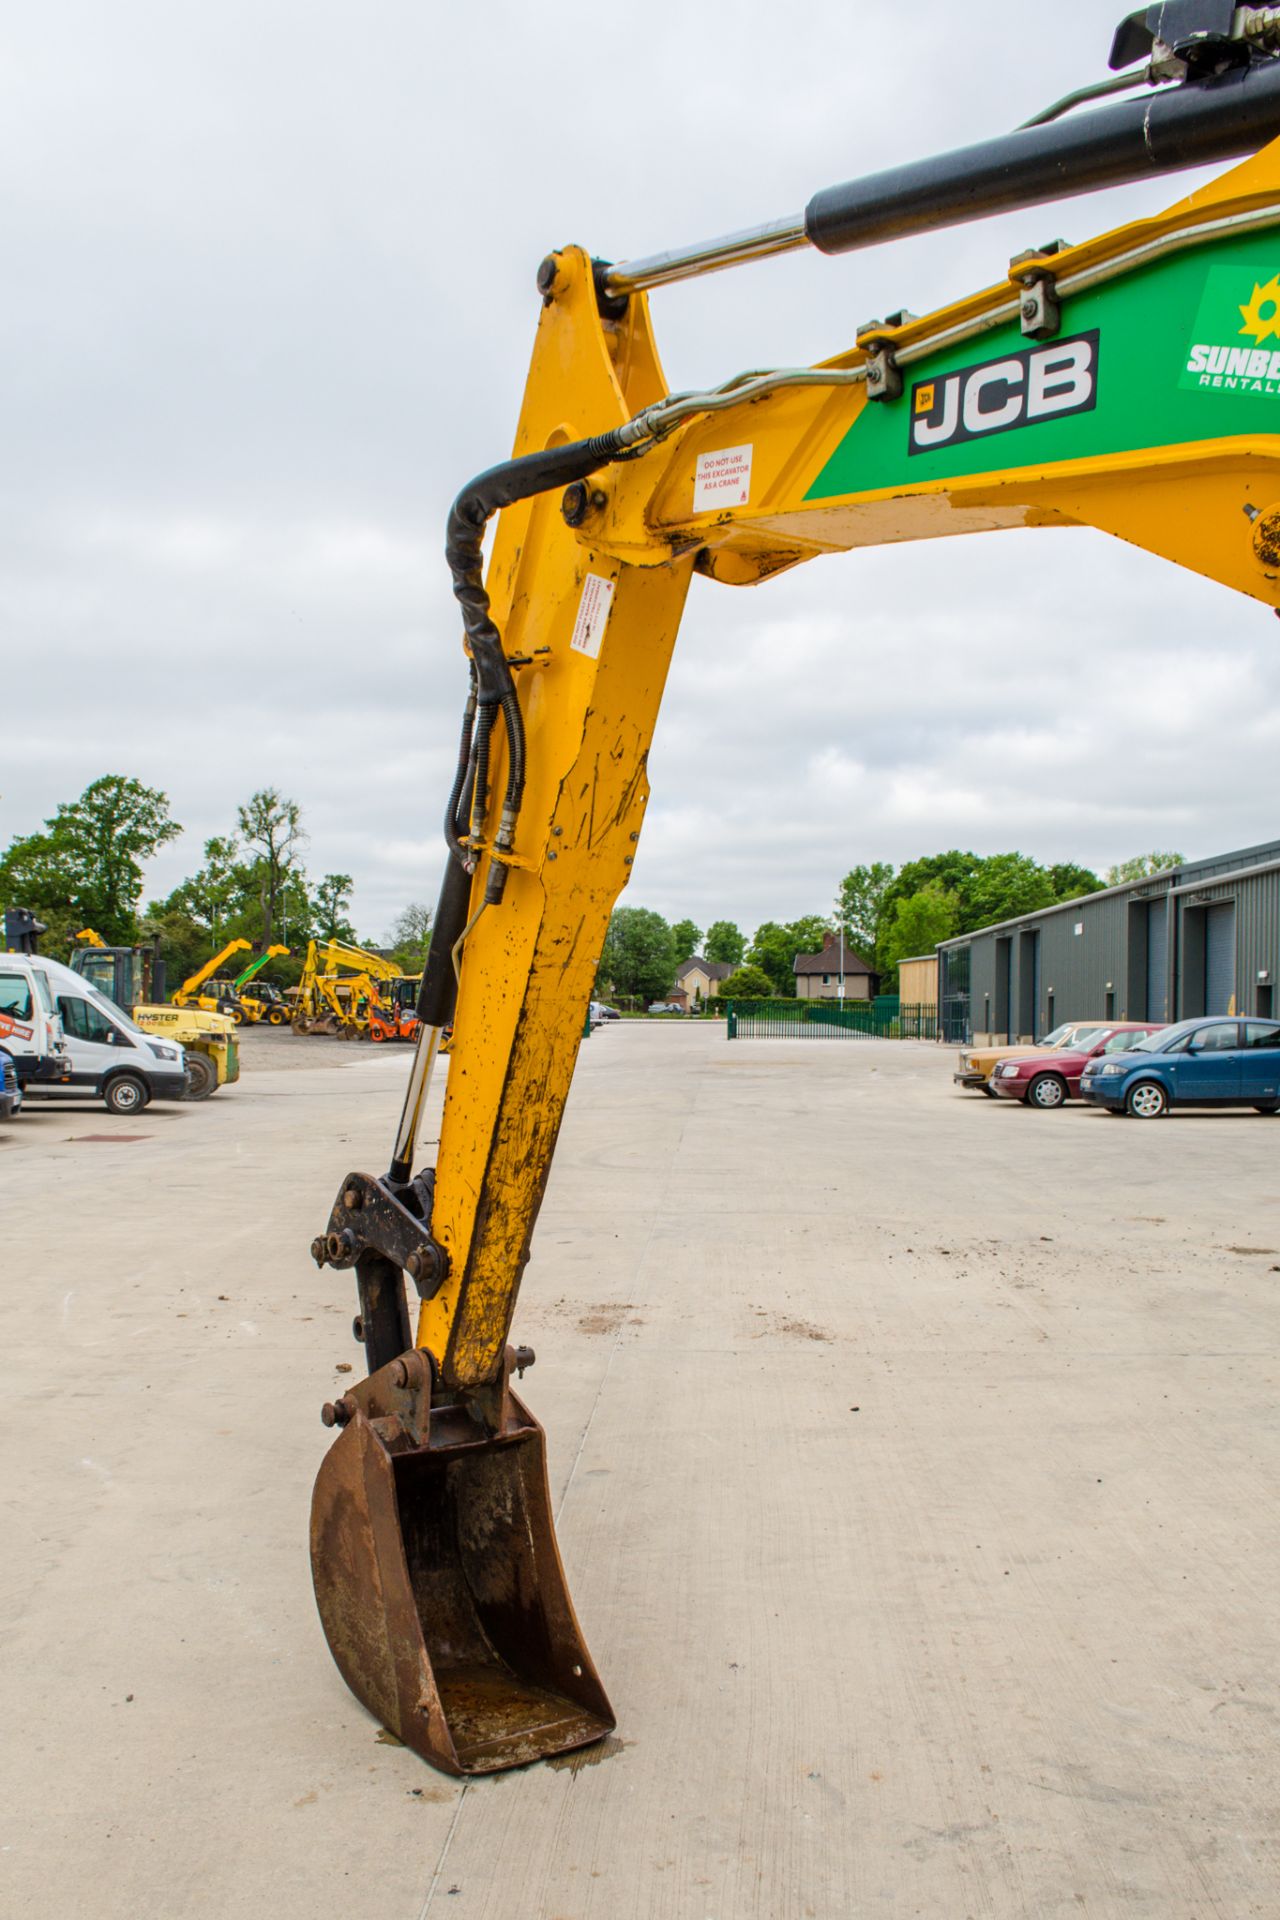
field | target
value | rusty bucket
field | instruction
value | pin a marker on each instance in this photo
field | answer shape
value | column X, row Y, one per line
column 438, row 1579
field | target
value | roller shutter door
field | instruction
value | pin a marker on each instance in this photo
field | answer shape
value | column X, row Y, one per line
column 1219, row 957
column 1157, row 960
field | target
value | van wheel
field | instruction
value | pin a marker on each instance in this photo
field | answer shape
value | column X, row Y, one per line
column 1147, row 1101
column 1268, row 1106
column 202, row 1077
column 1046, row 1091
column 126, row 1094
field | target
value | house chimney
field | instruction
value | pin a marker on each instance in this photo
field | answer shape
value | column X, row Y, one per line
column 828, row 939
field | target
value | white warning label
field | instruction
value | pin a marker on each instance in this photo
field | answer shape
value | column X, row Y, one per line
column 593, row 615
column 722, row 479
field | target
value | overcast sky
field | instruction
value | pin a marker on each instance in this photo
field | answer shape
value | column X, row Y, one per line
column 269, row 301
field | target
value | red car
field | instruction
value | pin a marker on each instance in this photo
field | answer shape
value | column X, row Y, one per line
column 1050, row 1079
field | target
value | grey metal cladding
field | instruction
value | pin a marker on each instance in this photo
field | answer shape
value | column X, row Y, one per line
column 1143, row 943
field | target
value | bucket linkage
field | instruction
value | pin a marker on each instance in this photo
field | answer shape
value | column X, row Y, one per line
column 433, row 1550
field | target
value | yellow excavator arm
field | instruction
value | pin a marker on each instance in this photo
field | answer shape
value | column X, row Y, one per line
column 336, row 955
column 256, row 966
column 190, row 988
column 1130, row 383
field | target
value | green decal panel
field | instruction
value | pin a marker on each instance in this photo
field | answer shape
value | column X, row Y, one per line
column 1186, row 350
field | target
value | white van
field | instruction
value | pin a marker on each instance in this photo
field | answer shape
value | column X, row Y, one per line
column 110, row 1058
column 30, row 1026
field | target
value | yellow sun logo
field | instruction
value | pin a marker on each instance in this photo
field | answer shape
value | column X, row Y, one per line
column 1262, row 315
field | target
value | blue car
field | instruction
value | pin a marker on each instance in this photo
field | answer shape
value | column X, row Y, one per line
column 1195, row 1063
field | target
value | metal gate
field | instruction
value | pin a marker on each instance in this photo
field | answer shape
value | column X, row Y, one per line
column 1220, row 957
column 1157, row 960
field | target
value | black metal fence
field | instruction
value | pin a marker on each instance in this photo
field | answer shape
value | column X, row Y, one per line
column 884, row 1018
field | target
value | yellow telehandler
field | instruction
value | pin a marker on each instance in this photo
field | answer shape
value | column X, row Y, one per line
column 259, row 999
column 1129, row 383
column 213, row 995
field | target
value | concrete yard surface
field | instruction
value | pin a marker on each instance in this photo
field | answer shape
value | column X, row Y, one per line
column 914, row 1460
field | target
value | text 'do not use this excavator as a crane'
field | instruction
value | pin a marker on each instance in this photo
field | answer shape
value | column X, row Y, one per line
column 1131, row 383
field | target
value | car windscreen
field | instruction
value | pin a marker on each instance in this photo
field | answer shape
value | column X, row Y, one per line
column 1059, row 1037
column 1159, row 1042
column 1125, row 1041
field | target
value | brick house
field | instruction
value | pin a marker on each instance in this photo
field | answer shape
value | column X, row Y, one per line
column 818, row 974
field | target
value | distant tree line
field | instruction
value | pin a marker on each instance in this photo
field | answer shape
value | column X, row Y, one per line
column 888, row 914
column 85, row 869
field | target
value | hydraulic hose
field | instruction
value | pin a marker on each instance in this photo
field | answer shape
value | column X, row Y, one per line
column 494, row 687
column 461, row 784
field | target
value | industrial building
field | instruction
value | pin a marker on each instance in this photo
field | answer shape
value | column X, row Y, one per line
column 1201, row 938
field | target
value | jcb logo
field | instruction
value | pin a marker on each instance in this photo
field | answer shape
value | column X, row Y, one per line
column 1021, row 390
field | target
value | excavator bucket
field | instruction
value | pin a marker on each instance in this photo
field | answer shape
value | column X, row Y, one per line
column 438, row 1579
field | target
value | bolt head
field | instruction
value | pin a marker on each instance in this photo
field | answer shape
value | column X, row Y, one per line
column 319, row 1251
column 352, row 1199
column 575, row 504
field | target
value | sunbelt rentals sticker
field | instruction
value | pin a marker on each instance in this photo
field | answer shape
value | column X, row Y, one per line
column 1235, row 345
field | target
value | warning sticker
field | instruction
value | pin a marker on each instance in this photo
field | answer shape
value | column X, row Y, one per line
column 722, row 479
column 593, row 615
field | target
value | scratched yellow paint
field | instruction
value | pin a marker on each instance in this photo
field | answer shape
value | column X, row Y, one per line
column 529, row 965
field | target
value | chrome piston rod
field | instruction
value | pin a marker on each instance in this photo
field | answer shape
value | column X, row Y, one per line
column 1189, row 125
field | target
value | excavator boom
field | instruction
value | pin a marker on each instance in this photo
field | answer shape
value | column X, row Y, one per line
column 190, row 988
column 1110, row 384
column 255, row 966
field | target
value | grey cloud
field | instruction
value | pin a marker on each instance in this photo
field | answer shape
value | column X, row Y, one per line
column 269, row 301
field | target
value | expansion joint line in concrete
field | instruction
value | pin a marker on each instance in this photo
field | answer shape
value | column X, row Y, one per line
column 587, row 1425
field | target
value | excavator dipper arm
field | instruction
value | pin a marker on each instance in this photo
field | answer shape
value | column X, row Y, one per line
column 191, row 987
column 1111, row 385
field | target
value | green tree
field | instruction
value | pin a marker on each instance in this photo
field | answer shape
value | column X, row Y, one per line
column 725, row 943
column 686, row 936
column 860, row 906
column 411, row 936
column 748, row 983
column 1004, row 885
column 639, row 954
column 184, row 943
column 1142, row 866
column 955, row 871
column 775, row 946
column 918, row 923
column 987, row 888
column 1070, row 881
column 215, row 892
column 271, row 828
column 329, row 906
column 89, row 858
